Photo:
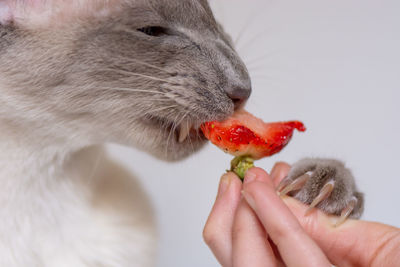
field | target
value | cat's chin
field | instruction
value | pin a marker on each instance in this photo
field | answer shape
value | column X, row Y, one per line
column 167, row 141
column 176, row 151
column 181, row 152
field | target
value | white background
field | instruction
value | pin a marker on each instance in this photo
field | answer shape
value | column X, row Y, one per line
column 334, row 65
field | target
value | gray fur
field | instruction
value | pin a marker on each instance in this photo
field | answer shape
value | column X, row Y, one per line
column 98, row 79
column 76, row 81
column 325, row 170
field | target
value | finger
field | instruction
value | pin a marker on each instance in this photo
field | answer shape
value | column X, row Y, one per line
column 354, row 242
column 279, row 171
column 250, row 242
column 249, row 239
column 294, row 245
column 217, row 232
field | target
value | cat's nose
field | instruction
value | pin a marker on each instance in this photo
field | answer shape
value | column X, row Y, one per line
column 238, row 94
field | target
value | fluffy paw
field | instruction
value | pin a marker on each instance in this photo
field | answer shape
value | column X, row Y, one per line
column 326, row 184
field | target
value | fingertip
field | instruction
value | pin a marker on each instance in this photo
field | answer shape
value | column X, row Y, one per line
column 259, row 171
column 229, row 174
column 256, row 174
column 229, row 189
column 236, row 189
column 228, row 177
column 234, row 180
column 223, row 184
column 280, row 165
column 279, row 171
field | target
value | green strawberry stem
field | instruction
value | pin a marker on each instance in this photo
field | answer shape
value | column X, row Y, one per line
column 241, row 164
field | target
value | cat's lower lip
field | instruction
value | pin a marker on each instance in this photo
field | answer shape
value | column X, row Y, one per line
column 184, row 131
column 187, row 129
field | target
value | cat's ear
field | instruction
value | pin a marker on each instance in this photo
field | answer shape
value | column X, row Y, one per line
column 6, row 14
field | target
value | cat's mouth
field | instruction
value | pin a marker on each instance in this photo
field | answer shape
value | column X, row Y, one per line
column 189, row 130
column 182, row 131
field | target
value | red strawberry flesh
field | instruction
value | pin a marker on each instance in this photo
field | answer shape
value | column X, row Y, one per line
column 245, row 135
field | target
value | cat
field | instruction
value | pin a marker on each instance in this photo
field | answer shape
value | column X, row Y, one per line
column 143, row 73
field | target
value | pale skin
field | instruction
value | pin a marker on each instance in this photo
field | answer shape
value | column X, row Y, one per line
column 250, row 225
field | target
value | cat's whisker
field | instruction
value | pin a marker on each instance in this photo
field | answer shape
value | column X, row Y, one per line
column 260, row 69
column 253, row 40
column 253, row 61
column 140, row 75
column 249, row 21
column 169, row 96
column 170, row 93
column 162, row 108
column 178, row 122
column 153, row 100
column 260, row 66
column 172, row 130
column 256, row 71
column 184, row 117
column 151, row 113
column 261, row 77
column 133, row 90
column 162, row 128
column 190, row 140
column 153, row 66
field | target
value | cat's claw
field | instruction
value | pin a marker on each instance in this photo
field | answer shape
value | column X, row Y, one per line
column 282, row 185
column 346, row 211
column 297, row 184
column 325, row 184
column 324, row 194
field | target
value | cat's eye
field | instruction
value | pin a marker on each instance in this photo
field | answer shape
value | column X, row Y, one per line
column 155, row 31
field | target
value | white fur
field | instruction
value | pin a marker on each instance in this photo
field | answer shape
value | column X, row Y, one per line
column 62, row 202
column 59, row 208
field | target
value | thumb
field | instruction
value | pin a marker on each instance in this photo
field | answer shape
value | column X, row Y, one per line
column 354, row 243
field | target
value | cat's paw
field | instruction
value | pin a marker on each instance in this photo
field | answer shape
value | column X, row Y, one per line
column 326, row 184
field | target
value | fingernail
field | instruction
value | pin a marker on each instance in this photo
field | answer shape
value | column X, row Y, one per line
column 249, row 199
column 223, row 184
column 249, row 177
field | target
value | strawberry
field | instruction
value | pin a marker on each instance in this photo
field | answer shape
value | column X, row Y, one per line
column 245, row 135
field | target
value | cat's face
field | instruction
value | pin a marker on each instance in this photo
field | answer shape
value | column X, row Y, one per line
column 142, row 75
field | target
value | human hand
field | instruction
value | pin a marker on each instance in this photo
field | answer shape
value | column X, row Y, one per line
column 354, row 243
column 238, row 235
